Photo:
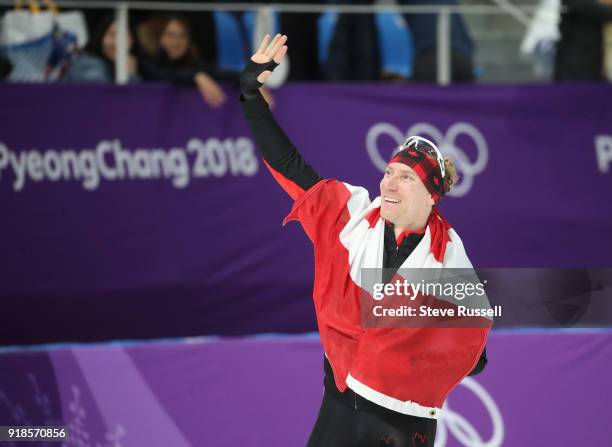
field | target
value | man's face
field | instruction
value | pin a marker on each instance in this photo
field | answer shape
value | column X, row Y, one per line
column 402, row 194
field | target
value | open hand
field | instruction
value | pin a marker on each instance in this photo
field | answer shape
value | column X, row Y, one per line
column 268, row 51
column 266, row 58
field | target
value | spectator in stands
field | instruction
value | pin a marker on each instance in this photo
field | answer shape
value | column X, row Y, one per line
column 97, row 62
column 5, row 68
column 302, row 27
column 424, row 34
column 169, row 54
column 353, row 50
column 580, row 51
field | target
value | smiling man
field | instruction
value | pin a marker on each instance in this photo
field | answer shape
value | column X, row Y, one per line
column 383, row 386
column 406, row 200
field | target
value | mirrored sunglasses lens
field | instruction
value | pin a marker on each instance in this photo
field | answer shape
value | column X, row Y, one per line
column 422, row 146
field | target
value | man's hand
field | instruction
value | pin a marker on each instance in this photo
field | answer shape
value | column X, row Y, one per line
column 266, row 58
column 268, row 51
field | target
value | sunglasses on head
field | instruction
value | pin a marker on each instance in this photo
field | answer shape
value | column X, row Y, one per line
column 427, row 147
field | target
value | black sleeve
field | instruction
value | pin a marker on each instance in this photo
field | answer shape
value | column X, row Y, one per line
column 275, row 147
column 482, row 362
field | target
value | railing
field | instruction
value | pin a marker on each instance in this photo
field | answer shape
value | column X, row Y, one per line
column 503, row 7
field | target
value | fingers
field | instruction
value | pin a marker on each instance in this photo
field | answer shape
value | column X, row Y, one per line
column 264, row 43
column 268, row 50
column 275, row 49
column 281, row 53
column 217, row 97
column 276, row 44
column 214, row 100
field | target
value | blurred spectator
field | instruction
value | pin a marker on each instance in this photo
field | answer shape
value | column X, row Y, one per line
column 302, row 30
column 169, row 54
column 424, row 34
column 580, row 52
column 353, row 50
column 97, row 63
column 5, row 68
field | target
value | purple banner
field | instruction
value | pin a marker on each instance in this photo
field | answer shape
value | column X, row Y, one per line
column 139, row 212
column 542, row 388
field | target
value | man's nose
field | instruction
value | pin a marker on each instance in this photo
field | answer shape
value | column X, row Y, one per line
column 392, row 183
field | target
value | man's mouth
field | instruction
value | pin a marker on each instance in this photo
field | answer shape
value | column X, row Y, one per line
column 390, row 200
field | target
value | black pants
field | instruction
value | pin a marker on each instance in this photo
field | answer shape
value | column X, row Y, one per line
column 342, row 425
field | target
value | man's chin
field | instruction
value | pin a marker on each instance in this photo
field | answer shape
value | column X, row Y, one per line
column 386, row 215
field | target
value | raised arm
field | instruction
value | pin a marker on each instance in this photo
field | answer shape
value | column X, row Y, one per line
column 281, row 157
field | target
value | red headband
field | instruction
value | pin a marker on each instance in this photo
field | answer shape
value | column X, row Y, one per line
column 426, row 168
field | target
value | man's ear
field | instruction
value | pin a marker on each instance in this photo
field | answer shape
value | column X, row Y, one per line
column 431, row 201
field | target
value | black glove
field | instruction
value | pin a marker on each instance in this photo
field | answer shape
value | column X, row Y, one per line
column 249, row 85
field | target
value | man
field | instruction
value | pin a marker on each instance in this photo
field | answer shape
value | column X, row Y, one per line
column 383, row 386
